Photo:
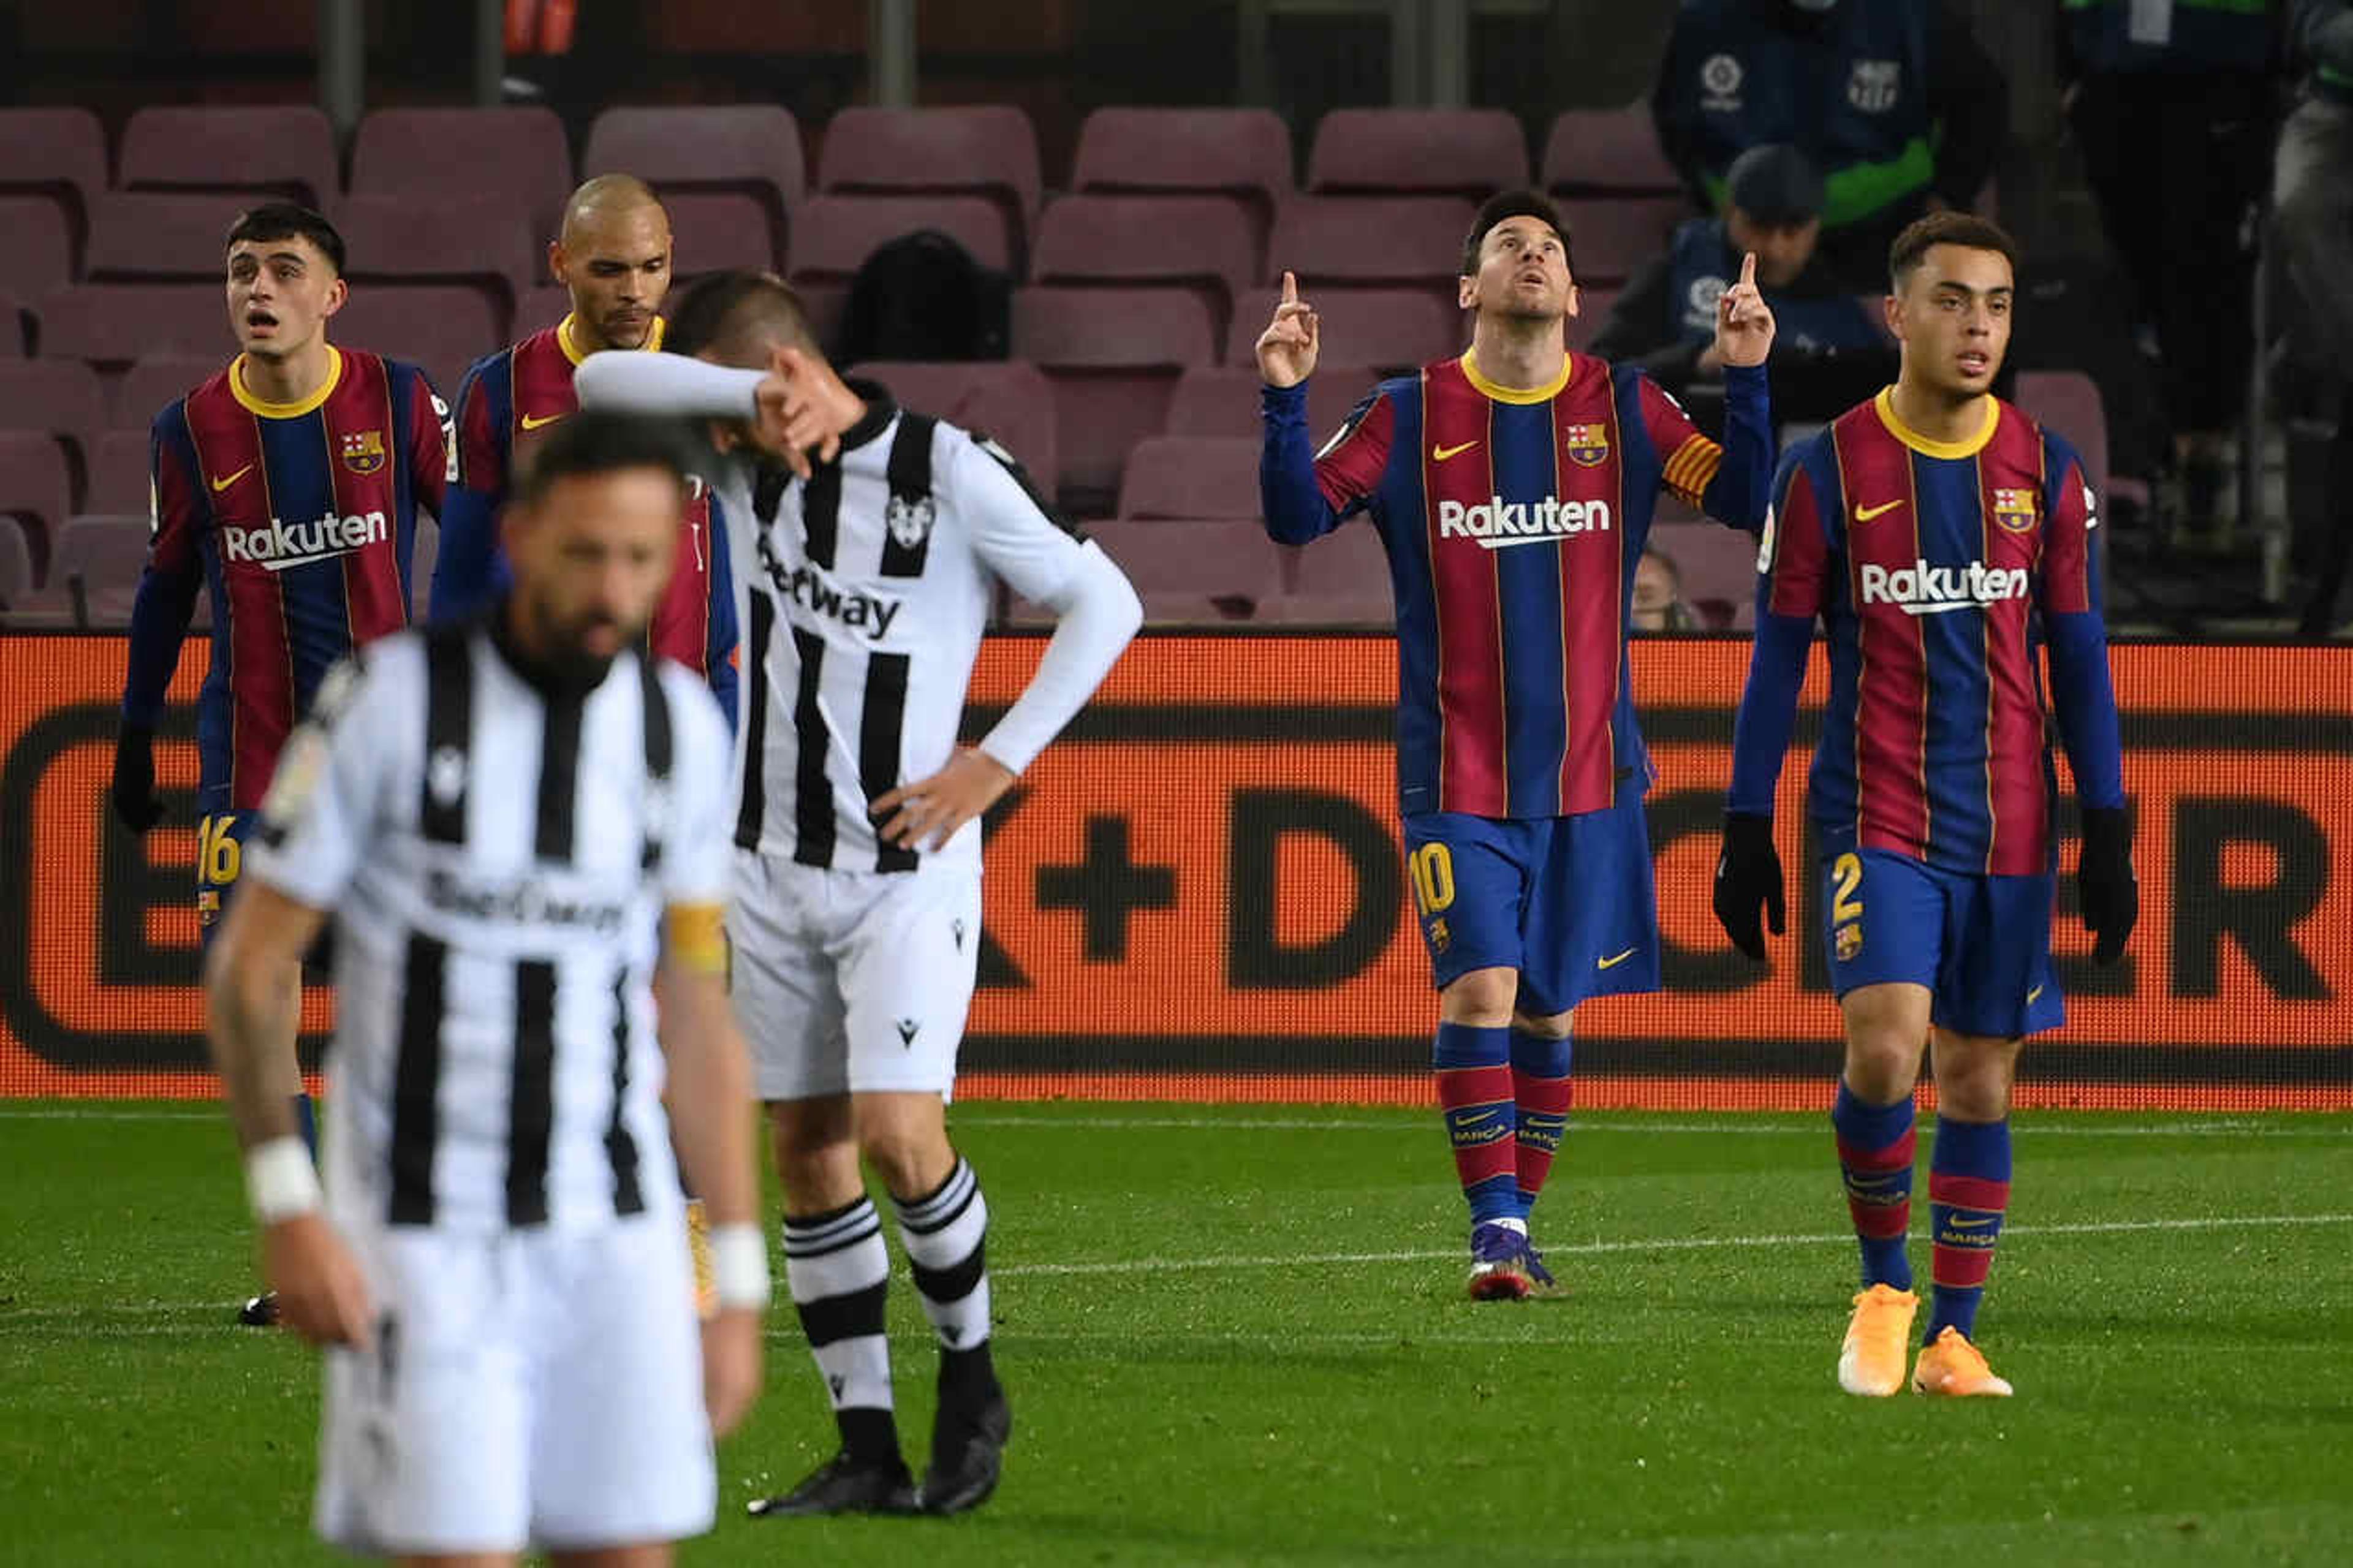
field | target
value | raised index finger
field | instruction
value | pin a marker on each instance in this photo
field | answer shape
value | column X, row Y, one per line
column 1748, row 270
column 1290, row 289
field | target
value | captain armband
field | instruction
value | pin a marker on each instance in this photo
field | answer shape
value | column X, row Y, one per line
column 696, row 938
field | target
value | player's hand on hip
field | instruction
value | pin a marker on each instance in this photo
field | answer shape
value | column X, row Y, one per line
column 1747, row 876
column 803, row 408
column 321, row 1293
column 132, row 790
column 1744, row 323
column 2106, row 883
column 931, row 810
column 730, row 1367
column 1287, row 349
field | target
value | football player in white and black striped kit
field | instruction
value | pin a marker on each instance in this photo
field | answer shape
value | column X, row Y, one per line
column 865, row 580
column 521, row 829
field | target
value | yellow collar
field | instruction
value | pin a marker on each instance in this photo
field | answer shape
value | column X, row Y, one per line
column 1886, row 405
column 296, row 409
column 1520, row 395
column 572, row 349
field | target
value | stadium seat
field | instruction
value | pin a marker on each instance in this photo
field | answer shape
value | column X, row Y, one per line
column 53, row 397
column 1241, row 150
column 36, row 488
column 474, row 242
column 1113, row 355
column 1197, row 558
column 119, row 473
column 1391, row 329
column 442, row 328
column 147, row 236
column 421, row 565
column 17, row 327
column 111, row 324
column 39, row 255
column 1601, row 152
column 1191, row 476
column 15, row 568
column 988, row 149
column 1593, row 307
column 288, row 149
column 518, row 153
column 712, row 231
column 1223, row 400
column 144, row 389
column 1718, row 566
column 1610, row 240
column 58, row 154
column 1348, row 566
column 93, row 574
column 1011, row 402
column 833, row 235
column 1462, row 152
column 1370, row 239
column 748, row 149
column 1203, row 241
column 542, row 307
column 2069, row 402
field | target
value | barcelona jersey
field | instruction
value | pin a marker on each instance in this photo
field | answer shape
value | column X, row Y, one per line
column 1939, row 571
column 1512, row 520
column 299, row 520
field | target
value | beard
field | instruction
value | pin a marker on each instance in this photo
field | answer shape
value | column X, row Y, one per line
column 565, row 658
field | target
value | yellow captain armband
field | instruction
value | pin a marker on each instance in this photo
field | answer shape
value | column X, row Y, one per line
column 696, row 938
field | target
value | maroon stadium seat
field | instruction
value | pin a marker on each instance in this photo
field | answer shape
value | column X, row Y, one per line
column 1113, row 355
column 1718, row 566
column 1593, row 307
column 542, row 307
column 1011, row 402
column 57, row 396
column 15, row 568
column 1593, row 151
column 833, row 235
column 1147, row 239
column 94, row 572
column 36, row 488
column 1466, row 152
column 751, row 149
column 155, row 382
column 1241, row 154
column 1370, row 239
column 56, row 154
column 17, row 326
column 148, row 236
column 2069, row 403
column 1223, row 400
column 1347, row 566
column 119, row 472
column 1219, row 557
column 443, row 328
column 111, row 324
column 288, row 148
column 39, row 255
column 421, row 565
column 1191, row 476
column 713, row 231
column 518, row 153
column 1392, row 330
column 984, row 148
column 476, row 242
column 1609, row 241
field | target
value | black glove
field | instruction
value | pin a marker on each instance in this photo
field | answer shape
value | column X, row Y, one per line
column 133, row 790
column 2105, row 883
column 1747, row 875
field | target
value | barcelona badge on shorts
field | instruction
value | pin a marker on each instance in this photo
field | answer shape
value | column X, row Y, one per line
column 1441, row 939
column 1847, row 941
column 2016, row 510
column 364, row 450
column 1585, row 444
column 208, row 905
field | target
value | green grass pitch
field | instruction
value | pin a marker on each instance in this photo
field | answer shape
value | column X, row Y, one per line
column 1237, row 1335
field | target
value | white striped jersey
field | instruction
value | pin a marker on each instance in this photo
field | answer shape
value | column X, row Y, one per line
column 498, row 856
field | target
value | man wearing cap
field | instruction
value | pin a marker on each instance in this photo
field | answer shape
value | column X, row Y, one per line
column 1826, row 345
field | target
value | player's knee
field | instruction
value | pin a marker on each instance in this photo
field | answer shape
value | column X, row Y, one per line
column 1974, row 1078
column 1543, row 1027
column 1482, row 999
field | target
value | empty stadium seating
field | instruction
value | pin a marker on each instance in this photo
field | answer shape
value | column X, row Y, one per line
column 1242, row 151
column 147, row 236
column 1718, row 566
column 746, row 149
column 39, row 255
column 519, row 155
column 118, row 474
column 1190, row 561
column 1191, row 476
column 1609, row 241
column 1462, row 152
column 1348, row 566
column 425, row 551
column 986, row 149
column 36, row 488
column 1363, row 240
column 1011, row 402
column 56, row 397
column 833, row 235
column 542, row 307
column 1203, row 241
column 1391, row 329
column 285, row 150
column 1595, row 152
column 15, row 567
column 1223, row 400
column 17, row 326
column 474, row 242
column 441, row 327
column 56, row 154
column 93, row 574
column 2069, row 402
column 111, row 324
column 1113, row 356
column 143, row 391
column 713, row 231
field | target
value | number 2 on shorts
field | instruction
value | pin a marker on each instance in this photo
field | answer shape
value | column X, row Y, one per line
column 1847, row 872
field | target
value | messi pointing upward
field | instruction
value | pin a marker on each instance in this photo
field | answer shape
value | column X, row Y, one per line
column 1513, row 487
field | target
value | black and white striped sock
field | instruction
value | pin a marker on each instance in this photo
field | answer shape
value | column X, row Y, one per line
column 839, row 1274
column 946, row 1238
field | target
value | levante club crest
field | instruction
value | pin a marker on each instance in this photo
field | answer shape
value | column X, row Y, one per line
column 1588, row 444
column 364, row 451
column 2017, row 510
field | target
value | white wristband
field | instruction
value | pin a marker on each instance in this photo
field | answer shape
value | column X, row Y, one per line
column 739, row 1267
column 279, row 1181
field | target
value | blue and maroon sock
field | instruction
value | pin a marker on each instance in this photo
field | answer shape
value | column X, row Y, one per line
column 1968, row 1192
column 1474, row 1090
column 1540, row 1092
column 1875, row 1145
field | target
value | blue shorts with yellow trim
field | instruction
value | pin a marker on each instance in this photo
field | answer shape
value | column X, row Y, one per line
column 1567, row 901
column 1980, row 944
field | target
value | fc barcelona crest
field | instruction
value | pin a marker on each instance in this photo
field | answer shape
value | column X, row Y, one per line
column 1588, row 444
column 2017, row 510
column 910, row 522
column 364, row 451
column 1847, row 941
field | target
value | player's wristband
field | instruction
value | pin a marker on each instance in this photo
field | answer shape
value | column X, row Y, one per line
column 739, row 1267
column 279, row 1181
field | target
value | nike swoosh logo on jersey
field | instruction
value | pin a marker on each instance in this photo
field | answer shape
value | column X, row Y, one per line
column 532, row 422
column 1615, row 960
column 1439, row 454
column 220, row 485
column 1866, row 513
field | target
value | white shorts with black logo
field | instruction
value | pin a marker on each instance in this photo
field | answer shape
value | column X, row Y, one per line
column 535, row 1387
column 853, row 982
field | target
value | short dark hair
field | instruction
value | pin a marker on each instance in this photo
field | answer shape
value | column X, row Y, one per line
column 1967, row 229
column 718, row 311
column 286, row 220
column 601, row 441
column 1514, row 203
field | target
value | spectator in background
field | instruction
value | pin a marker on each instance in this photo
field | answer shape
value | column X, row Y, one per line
column 1659, row 596
column 1892, row 100
column 1829, row 353
column 2312, row 196
column 2171, row 103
